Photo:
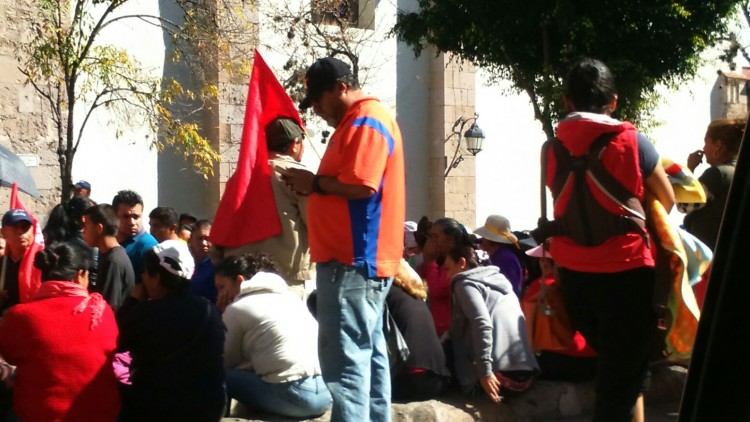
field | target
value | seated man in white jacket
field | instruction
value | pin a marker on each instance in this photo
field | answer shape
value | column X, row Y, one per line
column 271, row 342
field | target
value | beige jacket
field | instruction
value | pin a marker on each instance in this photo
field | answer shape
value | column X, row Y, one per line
column 290, row 250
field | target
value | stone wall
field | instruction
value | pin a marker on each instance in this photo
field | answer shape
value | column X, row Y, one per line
column 452, row 95
column 25, row 124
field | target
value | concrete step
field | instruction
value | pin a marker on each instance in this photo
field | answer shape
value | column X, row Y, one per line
column 545, row 401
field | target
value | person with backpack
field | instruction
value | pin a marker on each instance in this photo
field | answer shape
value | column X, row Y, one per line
column 600, row 171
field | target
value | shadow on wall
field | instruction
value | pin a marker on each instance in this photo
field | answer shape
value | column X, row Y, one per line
column 179, row 186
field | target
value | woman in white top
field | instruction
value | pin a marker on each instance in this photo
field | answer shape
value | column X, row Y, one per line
column 271, row 342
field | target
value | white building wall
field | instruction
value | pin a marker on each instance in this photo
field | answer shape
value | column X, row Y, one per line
column 111, row 164
column 508, row 169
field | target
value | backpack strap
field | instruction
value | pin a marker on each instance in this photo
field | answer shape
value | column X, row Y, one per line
column 611, row 186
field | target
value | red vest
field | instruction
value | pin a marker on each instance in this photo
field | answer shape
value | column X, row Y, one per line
column 620, row 159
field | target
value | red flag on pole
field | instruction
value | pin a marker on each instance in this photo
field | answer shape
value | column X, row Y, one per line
column 247, row 210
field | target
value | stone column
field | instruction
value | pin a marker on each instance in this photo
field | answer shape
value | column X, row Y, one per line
column 452, row 95
column 229, row 113
column 25, row 124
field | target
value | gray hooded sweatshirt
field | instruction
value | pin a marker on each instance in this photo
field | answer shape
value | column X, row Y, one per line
column 488, row 330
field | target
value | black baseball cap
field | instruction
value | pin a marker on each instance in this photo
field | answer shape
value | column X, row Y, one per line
column 321, row 77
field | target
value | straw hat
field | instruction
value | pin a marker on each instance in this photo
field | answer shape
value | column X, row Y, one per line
column 497, row 229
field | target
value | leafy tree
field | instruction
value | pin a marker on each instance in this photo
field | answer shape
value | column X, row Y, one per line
column 75, row 73
column 533, row 43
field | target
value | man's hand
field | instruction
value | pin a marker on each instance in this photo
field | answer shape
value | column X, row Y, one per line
column 299, row 180
column 695, row 158
column 491, row 386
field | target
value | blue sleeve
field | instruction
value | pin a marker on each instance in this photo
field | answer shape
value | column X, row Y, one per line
column 647, row 155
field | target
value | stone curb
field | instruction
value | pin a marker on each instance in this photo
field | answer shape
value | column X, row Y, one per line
column 546, row 400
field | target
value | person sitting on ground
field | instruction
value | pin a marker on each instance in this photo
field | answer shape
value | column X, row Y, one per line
column 176, row 342
column 577, row 363
column 721, row 145
column 62, row 343
column 502, row 245
column 424, row 375
column 130, row 232
column 445, row 234
column 115, row 274
column 202, row 282
column 421, row 235
column 271, row 346
column 488, row 334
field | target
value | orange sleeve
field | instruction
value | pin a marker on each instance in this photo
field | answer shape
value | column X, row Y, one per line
column 364, row 157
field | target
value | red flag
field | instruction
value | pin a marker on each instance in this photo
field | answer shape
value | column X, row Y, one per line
column 29, row 277
column 247, row 211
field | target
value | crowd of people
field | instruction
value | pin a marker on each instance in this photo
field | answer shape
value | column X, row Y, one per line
column 109, row 321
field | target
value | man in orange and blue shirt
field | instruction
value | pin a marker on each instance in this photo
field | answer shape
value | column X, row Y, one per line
column 356, row 215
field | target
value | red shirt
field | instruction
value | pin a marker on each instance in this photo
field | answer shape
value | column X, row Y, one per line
column 64, row 368
column 365, row 150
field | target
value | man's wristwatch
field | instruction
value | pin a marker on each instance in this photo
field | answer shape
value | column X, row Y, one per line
column 316, row 185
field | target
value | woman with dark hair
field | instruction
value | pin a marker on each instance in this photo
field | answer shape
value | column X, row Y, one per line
column 445, row 234
column 62, row 343
column 488, row 335
column 175, row 340
column 720, row 148
column 271, row 344
column 57, row 228
column 599, row 243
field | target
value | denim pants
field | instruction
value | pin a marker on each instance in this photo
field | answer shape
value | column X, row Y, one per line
column 302, row 398
column 351, row 345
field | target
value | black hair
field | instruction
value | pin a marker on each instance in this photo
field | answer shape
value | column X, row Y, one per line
column 188, row 216
column 350, row 80
column 170, row 281
column 246, row 266
column 165, row 216
column 455, row 230
column 127, row 197
column 63, row 260
column 466, row 252
column 76, row 207
column 105, row 215
column 590, row 86
column 185, row 226
column 58, row 225
column 201, row 224
column 423, row 231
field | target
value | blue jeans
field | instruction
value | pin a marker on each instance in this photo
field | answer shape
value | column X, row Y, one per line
column 303, row 398
column 351, row 346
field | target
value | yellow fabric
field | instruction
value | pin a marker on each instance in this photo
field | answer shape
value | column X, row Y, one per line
column 687, row 188
column 507, row 235
column 681, row 303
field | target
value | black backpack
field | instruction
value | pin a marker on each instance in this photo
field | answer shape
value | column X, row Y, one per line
column 585, row 220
